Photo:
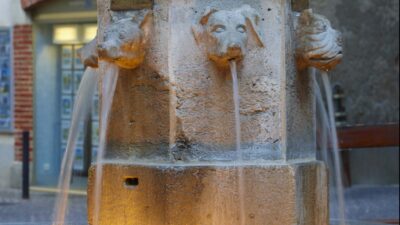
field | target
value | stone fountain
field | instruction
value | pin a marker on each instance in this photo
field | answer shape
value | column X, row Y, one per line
column 170, row 155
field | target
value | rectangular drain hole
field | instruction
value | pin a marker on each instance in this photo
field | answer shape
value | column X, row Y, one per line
column 131, row 182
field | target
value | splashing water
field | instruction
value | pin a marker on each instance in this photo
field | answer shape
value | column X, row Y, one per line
column 82, row 109
column 329, row 138
column 236, row 99
column 108, row 85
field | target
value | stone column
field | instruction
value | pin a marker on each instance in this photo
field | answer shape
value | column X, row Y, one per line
column 171, row 140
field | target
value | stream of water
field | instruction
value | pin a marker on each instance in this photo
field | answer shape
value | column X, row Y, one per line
column 81, row 112
column 82, row 109
column 236, row 100
column 335, row 148
column 329, row 140
column 108, row 85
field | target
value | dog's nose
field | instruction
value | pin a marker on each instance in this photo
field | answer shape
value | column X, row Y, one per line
column 234, row 46
column 234, row 51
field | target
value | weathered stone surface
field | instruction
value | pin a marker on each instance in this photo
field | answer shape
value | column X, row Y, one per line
column 278, row 194
column 204, row 92
column 178, row 97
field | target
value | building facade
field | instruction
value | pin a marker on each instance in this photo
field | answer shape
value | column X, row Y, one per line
column 40, row 75
column 16, row 94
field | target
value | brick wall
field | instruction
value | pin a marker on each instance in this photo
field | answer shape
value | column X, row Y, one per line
column 23, row 85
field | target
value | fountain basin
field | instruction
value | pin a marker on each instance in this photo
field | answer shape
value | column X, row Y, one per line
column 152, row 194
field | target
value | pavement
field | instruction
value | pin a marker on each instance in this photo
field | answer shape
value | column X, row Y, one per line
column 362, row 203
column 366, row 203
column 38, row 210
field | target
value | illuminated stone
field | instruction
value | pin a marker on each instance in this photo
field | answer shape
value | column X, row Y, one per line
column 276, row 194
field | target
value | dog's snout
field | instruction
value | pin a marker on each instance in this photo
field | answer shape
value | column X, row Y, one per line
column 233, row 51
column 234, row 46
column 106, row 50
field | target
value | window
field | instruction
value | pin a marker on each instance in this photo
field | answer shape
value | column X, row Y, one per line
column 5, row 81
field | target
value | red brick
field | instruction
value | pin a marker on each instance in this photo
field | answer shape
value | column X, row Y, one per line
column 23, row 81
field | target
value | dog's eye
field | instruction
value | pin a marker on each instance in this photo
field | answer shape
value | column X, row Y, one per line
column 121, row 36
column 241, row 28
column 218, row 29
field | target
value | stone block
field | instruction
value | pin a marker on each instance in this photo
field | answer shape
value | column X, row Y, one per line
column 275, row 194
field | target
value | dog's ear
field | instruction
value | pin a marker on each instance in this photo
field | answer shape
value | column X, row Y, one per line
column 145, row 25
column 253, row 19
column 198, row 28
column 206, row 15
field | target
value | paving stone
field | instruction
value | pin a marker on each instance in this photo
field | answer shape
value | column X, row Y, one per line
column 365, row 203
column 38, row 210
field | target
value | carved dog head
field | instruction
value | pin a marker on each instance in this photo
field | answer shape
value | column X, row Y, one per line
column 318, row 44
column 125, row 40
column 225, row 33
